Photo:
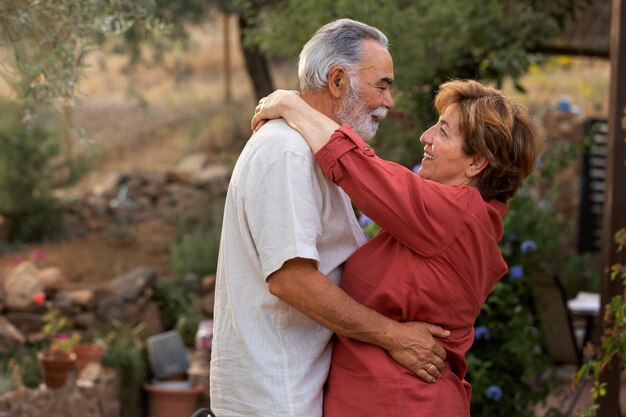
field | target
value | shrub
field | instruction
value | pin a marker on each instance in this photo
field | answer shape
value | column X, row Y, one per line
column 29, row 155
column 125, row 354
column 196, row 253
column 31, row 168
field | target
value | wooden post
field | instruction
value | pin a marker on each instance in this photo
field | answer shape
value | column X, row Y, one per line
column 615, row 196
column 228, row 92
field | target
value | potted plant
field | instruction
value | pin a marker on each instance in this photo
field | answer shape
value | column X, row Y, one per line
column 90, row 349
column 58, row 359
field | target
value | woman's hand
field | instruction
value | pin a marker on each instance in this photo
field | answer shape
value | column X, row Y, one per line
column 274, row 106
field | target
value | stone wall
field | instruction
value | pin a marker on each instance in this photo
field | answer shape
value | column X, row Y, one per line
column 99, row 398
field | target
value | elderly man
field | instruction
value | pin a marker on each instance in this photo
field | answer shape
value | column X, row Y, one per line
column 285, row 235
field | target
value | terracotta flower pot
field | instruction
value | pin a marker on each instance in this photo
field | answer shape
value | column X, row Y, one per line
column 56, row 366
column 173, row 399
column 86, row 353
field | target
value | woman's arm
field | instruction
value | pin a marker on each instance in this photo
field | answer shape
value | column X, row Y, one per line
column 313, row 125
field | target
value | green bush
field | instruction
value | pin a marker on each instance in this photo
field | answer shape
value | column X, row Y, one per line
column 29, row 155
column 31, row 168
column 19, row 365
column 196, row 253
column 126, row 354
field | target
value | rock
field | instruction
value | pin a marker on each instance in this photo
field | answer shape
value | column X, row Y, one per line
column 27, row 323
column 110, row 308
column 21, row 284
column 52, row 278
column 9, row 333
column 189, row 166
column 214, row 177
column 107, row 188
column 131, row 284
column 85, row 320
column 85, row 299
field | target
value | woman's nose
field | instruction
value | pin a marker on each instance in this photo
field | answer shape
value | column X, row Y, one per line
column 427, row 136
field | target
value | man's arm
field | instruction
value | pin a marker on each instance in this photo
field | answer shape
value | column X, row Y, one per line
column 300, row 284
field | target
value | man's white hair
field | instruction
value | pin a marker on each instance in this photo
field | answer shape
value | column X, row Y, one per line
column 337, row 43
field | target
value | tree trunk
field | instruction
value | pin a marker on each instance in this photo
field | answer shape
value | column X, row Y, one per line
column 256, row 64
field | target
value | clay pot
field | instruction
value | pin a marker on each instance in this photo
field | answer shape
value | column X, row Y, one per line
column 172, row 399
column 56, row 366
column 86, row 353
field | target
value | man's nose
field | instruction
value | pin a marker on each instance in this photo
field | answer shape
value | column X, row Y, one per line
column 388, row 100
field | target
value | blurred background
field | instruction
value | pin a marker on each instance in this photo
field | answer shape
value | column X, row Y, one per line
column 121, row 120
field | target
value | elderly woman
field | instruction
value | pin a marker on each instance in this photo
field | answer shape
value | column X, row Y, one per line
column 436, row 258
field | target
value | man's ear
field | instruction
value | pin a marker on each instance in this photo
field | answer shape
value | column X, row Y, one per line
column 337, row 81
column 476, row 166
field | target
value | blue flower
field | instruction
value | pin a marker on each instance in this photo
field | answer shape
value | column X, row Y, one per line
column 364, row 220
column 528, row 245
column 482, row 332
column 493, row 392
column 516, row 272
column 417, row 168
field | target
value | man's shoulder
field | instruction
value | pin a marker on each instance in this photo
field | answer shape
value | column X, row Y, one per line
column 276, row 137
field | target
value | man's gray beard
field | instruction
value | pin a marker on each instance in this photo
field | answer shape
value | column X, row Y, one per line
column 354, row 112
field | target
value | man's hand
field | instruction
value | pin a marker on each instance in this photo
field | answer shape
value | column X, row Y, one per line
column 416, row 349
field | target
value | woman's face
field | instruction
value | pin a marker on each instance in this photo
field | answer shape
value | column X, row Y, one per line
column 444, row 160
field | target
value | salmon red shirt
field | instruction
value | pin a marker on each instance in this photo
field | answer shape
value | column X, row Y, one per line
column 435, row 260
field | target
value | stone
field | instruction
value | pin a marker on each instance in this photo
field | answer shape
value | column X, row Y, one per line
column 108, row 186
column 190, row 165
column 85, row 320
column 21, row 284
column 8, row 332
column 110, row 308
column 85, row 299
column 52, row 278
column 214, row 176
column 131, row 284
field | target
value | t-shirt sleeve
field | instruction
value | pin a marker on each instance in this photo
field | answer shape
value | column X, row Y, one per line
column 283, row 210
column 421, row 214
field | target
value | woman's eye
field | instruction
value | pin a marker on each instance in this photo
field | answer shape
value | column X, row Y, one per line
column 442, row 132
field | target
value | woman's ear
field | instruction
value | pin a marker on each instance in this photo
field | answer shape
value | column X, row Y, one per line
column 337, row 81
column 476, row 166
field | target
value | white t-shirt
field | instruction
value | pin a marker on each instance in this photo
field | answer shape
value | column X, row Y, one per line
column 268, row 359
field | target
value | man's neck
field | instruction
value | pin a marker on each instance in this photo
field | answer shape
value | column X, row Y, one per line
column 321, row 101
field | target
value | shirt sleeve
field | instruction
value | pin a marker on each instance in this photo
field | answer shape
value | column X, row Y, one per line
column 421, row 214
column 283, row 210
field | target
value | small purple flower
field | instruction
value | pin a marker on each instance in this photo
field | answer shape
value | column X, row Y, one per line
column 364, row 220
column 528, row 245
column 482, row 333
column 37, row 255
column 538, row 162
column 516, row 272
column 493, row 392
column 62, row 335
column 417, row 168
column 17, row 260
